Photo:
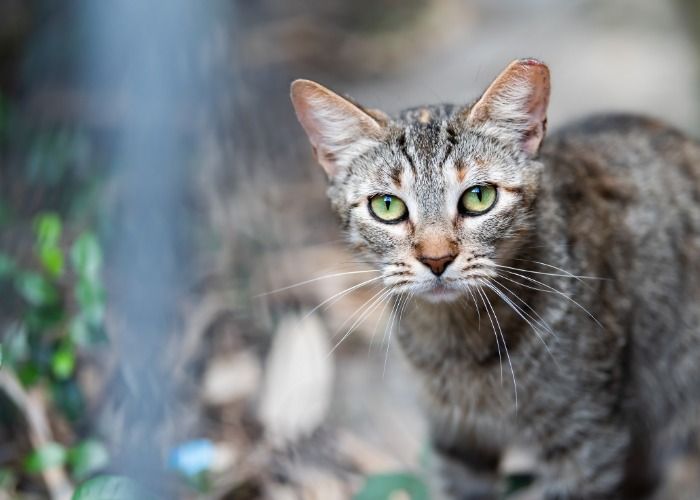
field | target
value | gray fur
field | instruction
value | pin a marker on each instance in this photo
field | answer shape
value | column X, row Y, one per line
column 607, row 370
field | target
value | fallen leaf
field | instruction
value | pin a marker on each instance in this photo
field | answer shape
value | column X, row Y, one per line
column 298, row 380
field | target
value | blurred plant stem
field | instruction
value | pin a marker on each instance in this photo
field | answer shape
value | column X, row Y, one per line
column 55, row 478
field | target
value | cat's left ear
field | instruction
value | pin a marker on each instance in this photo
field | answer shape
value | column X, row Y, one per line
column 338, row 129
column 514, row 107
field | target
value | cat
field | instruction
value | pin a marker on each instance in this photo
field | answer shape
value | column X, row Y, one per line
column 553, row 287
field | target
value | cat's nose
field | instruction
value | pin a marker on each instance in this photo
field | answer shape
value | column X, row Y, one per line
column 437, row 264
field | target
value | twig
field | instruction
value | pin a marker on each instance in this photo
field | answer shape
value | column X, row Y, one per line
column 57, row 482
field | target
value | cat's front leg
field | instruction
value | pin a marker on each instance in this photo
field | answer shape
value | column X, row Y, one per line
column 586, row 464
column 466, row 473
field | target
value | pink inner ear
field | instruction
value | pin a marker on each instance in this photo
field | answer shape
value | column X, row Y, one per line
column 337, row 129
column 538, row 102
column 516, row 103
column 533, row 139
column 304, row 94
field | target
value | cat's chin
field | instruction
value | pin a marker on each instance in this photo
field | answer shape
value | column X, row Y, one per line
column 439, row 293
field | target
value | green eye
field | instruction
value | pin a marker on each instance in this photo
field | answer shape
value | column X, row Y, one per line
column 477, row 200
column 387, row 208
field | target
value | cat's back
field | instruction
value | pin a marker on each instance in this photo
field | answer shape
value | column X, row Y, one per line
column 621, row 144
column 627, row 174
column 622, row 193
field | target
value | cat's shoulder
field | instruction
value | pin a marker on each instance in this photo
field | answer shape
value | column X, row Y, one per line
column 619, row 142
column 619, row 126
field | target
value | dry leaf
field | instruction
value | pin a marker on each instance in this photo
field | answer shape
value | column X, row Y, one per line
column 298, row 380
column 231, row 378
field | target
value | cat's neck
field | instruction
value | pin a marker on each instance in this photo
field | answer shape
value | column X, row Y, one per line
column 467, row 331
column 471, row 330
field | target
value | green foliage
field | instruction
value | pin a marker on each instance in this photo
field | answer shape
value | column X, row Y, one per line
column 52, row 154
column 382, row 486
column 86, row 257
column 111, row 488
column 36, row 289
column 56, row 317
column 63, row 361
column 86, row 458
column 48, row 456
column 517, row 482
column 59, row 310
column 48, row 233
column 8, row 479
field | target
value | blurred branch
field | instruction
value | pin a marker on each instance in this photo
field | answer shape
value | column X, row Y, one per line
column 30, row 405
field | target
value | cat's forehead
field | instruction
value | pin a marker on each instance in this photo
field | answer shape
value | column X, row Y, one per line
column 426, row 134
column 422, row 116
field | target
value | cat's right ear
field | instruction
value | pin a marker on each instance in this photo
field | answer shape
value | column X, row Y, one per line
column 338, row 129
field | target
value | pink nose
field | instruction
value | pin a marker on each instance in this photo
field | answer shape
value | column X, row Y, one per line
column 437, row 264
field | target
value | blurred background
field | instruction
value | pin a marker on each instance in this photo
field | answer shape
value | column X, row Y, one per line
column 173, row 285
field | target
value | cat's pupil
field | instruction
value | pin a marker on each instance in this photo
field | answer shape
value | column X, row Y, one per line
column 478, row 192
column 387, row 202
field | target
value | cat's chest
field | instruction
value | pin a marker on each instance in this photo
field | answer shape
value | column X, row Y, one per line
column 464, row 373
column 457, row 399
column 475, row 391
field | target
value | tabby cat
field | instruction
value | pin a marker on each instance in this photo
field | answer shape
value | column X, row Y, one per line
column 553, row 288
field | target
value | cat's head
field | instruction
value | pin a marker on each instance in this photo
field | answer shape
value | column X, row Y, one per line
column 439, row 195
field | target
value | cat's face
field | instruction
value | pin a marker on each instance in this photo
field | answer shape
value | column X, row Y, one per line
column 438, row 196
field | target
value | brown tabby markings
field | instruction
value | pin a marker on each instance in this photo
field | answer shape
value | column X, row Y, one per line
column 567, row 317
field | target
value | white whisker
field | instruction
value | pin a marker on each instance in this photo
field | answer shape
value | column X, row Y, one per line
column 522, row 314
column 565, row 274
column 366, row 309
column 381, row 314
column 402, row 308
column 540, row 320
column 493, row 326
column 558, row 292
column 334, row 298
column 314, row 280
column 392, row 318
column 505, row 346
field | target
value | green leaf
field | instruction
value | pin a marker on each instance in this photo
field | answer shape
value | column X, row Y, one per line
column 79, row 332
column 35, row 289
column 1, row 354
column 87, row 334
column 63, row 361
column 52, row 260
column 517, row 482
column 87, row 457
column 7, row 479
column 381, row 486
column 86, row 256
column 29, row 374
column 111, row 488
column 15, row 344
column 200, row 482
column 47, row 228
column 48, row 456
column 40, row 319
column 68, row 398
column 91, row 298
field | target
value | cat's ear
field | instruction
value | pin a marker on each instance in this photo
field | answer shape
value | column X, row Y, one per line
column 514, row 107
column 338, row 129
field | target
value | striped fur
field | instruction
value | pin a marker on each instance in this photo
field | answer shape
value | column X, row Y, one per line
column 568, row 320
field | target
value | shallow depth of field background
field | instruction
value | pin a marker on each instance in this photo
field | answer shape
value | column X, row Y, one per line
column 155, row 187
